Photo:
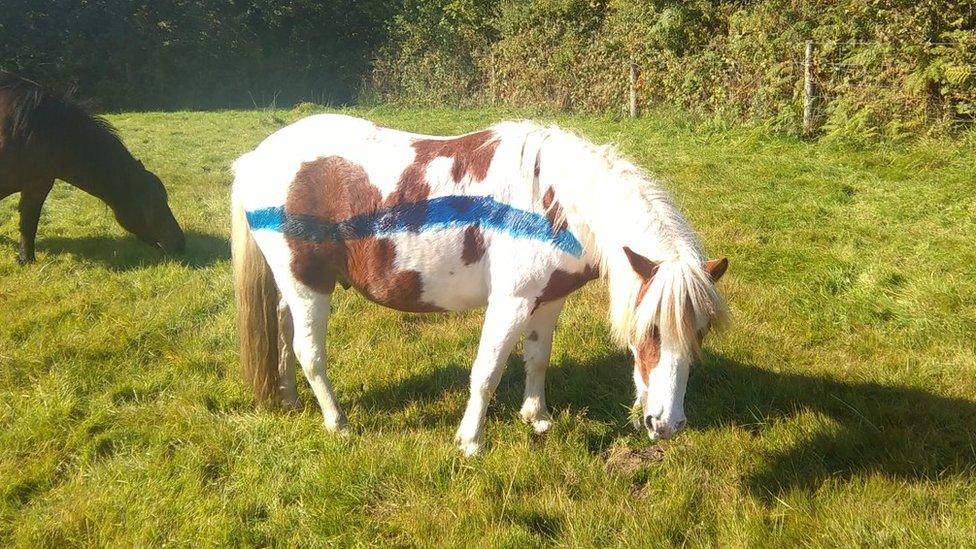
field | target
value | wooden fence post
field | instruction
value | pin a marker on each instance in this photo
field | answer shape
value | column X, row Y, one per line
column 809, row 91
column 633, row 89
column 492, row 83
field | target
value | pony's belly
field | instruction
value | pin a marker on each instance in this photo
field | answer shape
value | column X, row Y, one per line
column 450, row 280
column 419, row 272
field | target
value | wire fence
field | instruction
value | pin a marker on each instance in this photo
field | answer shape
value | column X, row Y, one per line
column 933, row 80
column 907, row 84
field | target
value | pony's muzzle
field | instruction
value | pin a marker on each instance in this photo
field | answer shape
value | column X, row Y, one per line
column 661, row 429
column 171, row 240
column 174, row 245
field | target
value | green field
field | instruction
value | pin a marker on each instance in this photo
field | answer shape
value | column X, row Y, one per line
column 838, row 409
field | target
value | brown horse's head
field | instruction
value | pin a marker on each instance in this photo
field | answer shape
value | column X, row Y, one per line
column 143, row 211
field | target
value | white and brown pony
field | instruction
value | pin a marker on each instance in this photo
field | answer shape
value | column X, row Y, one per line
column 515, row 217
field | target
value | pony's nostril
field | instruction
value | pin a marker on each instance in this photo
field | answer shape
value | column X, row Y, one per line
column 652, row 422
column 680, row 425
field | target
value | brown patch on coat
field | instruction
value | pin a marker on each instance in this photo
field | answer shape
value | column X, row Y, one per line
column 562, row 283
column 472, row 155
column 333, row 189
column 372, row 272
column 533, row 336
column 329, row 189
column 554, row 212
column 648, row 354
column 474, row 245
column 410, row 189
column 548, row 198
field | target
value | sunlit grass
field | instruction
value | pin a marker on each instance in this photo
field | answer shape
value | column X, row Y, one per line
column 839, row 408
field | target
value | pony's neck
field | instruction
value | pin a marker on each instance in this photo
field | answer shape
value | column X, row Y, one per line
column 94, row 160
column 91, row 156
column 611, row 204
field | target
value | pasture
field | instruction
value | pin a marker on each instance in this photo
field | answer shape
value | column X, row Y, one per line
column 838, row 409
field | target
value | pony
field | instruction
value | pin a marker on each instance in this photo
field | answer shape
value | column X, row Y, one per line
column 512, row 218
column 44, row 137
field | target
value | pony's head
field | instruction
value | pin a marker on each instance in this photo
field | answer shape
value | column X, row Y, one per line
column 674, row 307
column 142, row 209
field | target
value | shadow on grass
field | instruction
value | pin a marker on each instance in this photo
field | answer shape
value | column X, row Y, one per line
column 127, row 252
column 894, row 431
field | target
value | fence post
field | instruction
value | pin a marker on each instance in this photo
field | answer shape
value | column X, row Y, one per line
column 633, row 89
column 809, row 91
column 492, row 83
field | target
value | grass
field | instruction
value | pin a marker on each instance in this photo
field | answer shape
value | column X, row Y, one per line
column 839, row 409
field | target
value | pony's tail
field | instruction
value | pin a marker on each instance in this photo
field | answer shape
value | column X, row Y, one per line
column 257, row 310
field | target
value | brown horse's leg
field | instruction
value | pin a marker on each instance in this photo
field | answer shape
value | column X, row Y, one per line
column 31, row 201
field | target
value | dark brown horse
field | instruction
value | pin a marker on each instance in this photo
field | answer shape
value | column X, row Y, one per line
column 44, row 137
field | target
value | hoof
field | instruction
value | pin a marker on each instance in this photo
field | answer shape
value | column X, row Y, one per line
column 540, row 421
column 21, row 260
column 339, row 426
column 467, row 447
column 291, row 405
column 541, row 426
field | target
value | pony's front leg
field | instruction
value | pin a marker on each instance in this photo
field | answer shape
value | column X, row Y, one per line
column 310, row 316
column 31, row 200
column 504, row 319
column 538, row 347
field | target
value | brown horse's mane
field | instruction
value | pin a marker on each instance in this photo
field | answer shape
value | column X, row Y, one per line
column 35, row 115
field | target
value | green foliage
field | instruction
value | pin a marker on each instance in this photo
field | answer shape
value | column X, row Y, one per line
column 433, row 54
column 883, row 68
column 140, row 54
column 838, row 408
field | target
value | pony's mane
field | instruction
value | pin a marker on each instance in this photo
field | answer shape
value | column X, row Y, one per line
column 611, row 203
column 23, row 98
column 34, row 110
column 36, row 114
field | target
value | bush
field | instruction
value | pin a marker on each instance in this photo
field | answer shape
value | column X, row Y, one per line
column 137, row 54
column 883, row 67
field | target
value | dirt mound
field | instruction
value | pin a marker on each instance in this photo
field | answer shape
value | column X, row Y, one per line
column 626, row 461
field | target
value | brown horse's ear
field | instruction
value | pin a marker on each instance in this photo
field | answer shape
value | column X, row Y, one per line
column 642, row 266
column 716, row 268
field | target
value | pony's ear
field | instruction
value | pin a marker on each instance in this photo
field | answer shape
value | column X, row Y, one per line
column 642, row 266
column 716, row 268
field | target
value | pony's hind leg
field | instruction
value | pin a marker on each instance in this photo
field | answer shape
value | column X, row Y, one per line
column 310, row 317
column 31, row 200
column 504, row 319
column 537, row 348
column 287, row 388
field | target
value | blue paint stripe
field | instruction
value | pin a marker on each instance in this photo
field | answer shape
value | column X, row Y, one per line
column 438, row 213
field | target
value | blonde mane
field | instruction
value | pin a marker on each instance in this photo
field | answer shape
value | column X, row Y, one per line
column 610, row 203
